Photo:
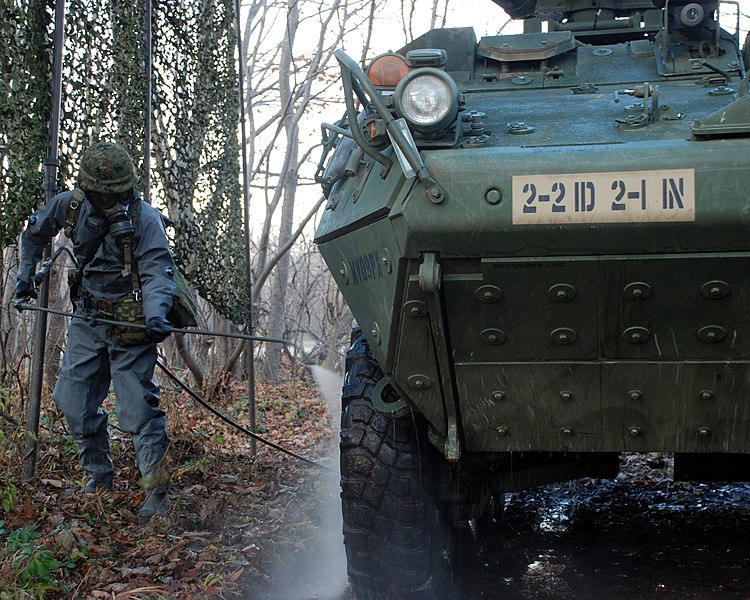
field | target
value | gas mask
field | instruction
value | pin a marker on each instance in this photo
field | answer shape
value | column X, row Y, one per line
column 114, row 208
column 120, row 225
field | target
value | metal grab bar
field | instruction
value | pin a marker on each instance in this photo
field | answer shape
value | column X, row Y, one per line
column 353, row 77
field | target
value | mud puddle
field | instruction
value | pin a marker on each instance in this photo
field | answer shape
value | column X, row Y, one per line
column 637, row 537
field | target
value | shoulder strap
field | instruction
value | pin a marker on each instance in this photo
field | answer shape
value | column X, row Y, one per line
column 74, row 210
column 130, row 264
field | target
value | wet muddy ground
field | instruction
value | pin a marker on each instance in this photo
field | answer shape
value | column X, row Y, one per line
column 638, row 537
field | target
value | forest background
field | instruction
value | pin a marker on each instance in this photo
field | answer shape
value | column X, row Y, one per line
column 51, row 541
column 235, row 513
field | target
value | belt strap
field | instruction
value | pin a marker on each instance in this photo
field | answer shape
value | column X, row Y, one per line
column 103, row 305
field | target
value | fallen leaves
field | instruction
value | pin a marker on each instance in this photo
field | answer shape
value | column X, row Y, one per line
column 55, row 483
column 227, row 507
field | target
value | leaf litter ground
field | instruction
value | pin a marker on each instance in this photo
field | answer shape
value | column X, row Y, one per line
column 235, row 520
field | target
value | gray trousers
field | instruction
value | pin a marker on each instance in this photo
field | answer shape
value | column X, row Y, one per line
column 93, row 358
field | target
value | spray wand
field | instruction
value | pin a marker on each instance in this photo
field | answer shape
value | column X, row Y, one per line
column 95, row 320
column 181, row 384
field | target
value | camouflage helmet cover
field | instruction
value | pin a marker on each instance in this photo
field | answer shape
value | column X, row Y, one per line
column 106, row 168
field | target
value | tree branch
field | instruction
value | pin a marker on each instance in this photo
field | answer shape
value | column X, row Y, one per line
column 263, row 276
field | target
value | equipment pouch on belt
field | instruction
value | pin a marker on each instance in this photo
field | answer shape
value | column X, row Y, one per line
column 130, row 310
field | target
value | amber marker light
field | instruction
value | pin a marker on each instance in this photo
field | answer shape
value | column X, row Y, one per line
column 387, row 70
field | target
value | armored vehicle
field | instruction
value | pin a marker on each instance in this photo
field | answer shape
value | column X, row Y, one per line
column 545, row 240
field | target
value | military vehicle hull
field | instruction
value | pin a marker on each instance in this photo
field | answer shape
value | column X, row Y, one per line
column 561, row 331
column 559, row 275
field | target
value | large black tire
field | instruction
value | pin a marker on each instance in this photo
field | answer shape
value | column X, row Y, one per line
column 395, row 546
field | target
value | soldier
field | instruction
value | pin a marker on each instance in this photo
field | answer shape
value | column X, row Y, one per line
column 125, row 272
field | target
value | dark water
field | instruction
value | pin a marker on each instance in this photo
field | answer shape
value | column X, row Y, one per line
column 614, row 539
column 589, row 539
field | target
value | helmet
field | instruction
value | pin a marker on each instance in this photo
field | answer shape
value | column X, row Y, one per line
column 106, row 168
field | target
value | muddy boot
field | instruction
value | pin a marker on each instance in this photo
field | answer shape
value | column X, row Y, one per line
column 156, row 503
column 92, row 486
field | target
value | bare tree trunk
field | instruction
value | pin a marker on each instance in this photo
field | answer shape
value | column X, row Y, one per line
column 407, row 19
column 368, row 37
column 57, row 326
column 277, row 316
column 433, row 16
column 8, row 256
column 190, row 362
column 279, row 77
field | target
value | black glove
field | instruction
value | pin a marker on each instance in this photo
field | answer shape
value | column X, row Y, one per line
column 158, row 328
column 25, row 293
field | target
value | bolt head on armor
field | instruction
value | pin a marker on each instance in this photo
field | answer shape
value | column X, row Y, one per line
column 107, row 168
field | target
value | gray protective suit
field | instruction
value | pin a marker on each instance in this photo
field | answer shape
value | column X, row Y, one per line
column 93, row 356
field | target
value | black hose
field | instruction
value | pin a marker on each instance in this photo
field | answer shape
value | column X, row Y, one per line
column 176, row 380
column 181, row 384
column 47, row 264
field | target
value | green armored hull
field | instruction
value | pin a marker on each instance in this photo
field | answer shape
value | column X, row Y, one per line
column 559, row 267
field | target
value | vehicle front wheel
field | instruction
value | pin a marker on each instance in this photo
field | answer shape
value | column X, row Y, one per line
column 396, row 545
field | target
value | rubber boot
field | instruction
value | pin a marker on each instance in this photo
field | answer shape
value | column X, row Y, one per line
column 92, row 486
column 156, row 503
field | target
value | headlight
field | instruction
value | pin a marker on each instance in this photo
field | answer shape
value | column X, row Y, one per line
column 692, row 15
column 428, row 100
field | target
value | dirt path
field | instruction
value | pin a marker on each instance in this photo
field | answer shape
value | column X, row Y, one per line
column 305, row 558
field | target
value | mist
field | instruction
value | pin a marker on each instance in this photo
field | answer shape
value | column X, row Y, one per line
column 318, row 573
